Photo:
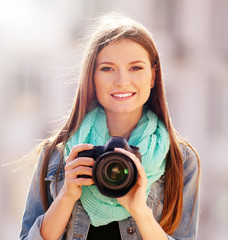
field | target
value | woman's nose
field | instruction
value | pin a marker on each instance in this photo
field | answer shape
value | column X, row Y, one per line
column 122, row 78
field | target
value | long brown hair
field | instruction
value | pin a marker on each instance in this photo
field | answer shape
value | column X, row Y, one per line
column 112, row 28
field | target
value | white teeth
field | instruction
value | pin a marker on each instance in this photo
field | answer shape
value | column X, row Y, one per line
column 123, row 95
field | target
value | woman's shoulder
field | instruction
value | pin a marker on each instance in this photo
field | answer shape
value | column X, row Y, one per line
column 191, row 162
column 54, row 159
column 54, row 165
column 188, row 153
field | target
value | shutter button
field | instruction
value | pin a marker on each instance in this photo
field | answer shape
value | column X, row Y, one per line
column 130, row 230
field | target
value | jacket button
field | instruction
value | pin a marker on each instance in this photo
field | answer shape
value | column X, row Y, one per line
column 78, row 236
column 131, row 230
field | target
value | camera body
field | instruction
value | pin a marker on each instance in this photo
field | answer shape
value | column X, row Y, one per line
column 114, row 173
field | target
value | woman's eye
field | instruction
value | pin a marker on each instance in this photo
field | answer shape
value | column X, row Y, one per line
column 136, row 68
column 106, row 69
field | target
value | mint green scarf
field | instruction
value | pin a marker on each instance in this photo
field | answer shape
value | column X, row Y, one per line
column 152, row 138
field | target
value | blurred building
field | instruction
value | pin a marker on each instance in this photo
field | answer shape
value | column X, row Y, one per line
column 38, row 66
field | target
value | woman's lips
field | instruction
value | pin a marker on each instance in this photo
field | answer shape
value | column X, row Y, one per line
column 123, row 96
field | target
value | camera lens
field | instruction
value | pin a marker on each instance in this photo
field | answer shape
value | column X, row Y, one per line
column 115, row 173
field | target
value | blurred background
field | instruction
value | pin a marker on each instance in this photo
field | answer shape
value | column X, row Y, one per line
column 41, row 49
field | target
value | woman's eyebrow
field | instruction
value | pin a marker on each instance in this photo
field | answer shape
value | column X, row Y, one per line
column 111, row 63
column 138, row 61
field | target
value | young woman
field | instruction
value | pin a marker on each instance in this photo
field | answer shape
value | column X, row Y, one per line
column 120, row 93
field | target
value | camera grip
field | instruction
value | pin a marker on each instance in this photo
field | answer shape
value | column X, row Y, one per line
column 84, row 176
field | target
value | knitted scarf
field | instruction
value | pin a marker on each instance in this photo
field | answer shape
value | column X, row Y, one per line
column 152, row 138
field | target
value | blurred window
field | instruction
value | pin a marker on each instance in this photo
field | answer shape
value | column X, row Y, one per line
column 218, row 106
column 219, row 29
column 165, row 15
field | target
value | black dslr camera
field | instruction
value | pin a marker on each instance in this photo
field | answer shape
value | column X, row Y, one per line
column 113, row 173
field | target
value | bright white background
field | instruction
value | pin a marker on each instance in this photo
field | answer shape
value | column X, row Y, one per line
column 40, row 54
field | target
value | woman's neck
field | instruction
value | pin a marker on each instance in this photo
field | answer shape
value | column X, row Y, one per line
column 122, row 124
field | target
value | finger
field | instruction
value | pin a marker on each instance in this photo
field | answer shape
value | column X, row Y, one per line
column 84, row 181
column 81, row 161
column 129, row 154
column 82, row 170
column 134, row 159
column 76, row 149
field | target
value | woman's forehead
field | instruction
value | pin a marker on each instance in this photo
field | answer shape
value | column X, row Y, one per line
column 122, row 49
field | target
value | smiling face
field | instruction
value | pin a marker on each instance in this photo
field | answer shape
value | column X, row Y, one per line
column 123, row 77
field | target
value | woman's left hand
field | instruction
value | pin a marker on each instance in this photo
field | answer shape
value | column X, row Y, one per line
column 135, row 200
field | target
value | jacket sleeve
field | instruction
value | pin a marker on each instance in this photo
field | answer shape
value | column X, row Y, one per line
column 34, row 211
column 188, row 228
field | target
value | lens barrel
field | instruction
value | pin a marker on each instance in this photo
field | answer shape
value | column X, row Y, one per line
column 114, row 174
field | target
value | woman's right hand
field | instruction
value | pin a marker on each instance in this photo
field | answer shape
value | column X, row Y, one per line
column 57, row 216
column 75, row 166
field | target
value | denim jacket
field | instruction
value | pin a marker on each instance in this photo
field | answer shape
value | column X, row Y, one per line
column 78, row 226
